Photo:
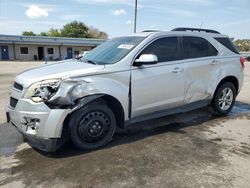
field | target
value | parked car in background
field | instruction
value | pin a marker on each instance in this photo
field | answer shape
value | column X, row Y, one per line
column 125, row 80
column 248, row 58
column 246, row 55
column 82, row 54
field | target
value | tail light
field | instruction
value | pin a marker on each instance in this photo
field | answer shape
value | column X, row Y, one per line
column 242, row 61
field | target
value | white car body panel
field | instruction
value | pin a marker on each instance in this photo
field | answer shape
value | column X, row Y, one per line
column 157, row 87
column 139, row 90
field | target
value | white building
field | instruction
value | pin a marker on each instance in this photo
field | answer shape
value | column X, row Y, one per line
column 30, row 48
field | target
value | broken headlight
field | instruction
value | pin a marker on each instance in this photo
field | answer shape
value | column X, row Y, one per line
column 42, row 91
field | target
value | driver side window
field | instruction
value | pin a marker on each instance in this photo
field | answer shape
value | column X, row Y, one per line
column 166, row 49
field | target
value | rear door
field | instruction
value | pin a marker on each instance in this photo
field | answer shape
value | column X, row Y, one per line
column 160, row 86
column 201, row 62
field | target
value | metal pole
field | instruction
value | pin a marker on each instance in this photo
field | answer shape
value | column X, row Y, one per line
column 14, row 50
column 135, row 22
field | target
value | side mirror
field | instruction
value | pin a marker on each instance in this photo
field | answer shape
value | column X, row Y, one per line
column 146, row 59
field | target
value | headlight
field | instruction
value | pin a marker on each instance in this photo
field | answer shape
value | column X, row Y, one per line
column 42, row 91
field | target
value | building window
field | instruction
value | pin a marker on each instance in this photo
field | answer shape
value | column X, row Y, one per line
column 24, row 50
column 50, row 50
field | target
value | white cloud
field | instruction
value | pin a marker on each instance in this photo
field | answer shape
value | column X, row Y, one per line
column 123, row 2
column 18, row 25
column 119, row 12
column 35, row 11
column 184, row 13
column 129, row 22
column 231, row 8
column 147, row 3
column 239, row 24
column 201, row 2
column 174, row 11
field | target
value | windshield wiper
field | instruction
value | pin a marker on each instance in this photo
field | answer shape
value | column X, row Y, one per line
column 91, row 62
column 87, row 61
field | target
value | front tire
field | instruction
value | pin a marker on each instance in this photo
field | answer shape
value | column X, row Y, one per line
column 92, row 126
column 224, row 98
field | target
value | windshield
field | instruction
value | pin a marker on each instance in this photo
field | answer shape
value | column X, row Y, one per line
column 112, row 51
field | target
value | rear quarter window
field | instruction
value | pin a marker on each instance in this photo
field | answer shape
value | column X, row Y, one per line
column 227, row 43
column 195, row 47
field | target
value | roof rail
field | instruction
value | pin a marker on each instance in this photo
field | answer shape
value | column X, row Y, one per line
column 147, row 31
column 195, row 29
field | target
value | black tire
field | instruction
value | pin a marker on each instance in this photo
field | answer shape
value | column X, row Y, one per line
column 217, row 103
column 92, row 126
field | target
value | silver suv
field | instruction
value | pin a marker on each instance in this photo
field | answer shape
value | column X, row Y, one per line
column 125, row 80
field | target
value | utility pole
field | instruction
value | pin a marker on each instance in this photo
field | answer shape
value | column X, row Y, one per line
column 135, row 21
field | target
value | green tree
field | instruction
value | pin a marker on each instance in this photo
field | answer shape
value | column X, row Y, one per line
column 75, row 30
column 95, row 33
column 43, row 34
column 28, row 33
column 54, row 33
column 243, row 45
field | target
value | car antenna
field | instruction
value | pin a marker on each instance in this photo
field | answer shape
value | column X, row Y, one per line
column 201, row 24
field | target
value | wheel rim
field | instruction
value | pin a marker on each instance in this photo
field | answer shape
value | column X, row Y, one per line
column 93, row 127
column 226, row 99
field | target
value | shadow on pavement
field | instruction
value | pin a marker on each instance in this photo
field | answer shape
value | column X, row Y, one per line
column 134, row 132
column 174, row 123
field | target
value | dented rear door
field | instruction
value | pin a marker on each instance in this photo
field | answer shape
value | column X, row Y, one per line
column 202, row 65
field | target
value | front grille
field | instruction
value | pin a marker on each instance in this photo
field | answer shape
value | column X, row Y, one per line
column 13, row 102
column 18, row 86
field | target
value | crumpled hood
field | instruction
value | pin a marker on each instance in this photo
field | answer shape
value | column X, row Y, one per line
column 61, row 69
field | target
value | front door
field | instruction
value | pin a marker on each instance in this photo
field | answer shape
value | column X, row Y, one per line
column 40, row 53
column 161, row 86
column 69, row 53
column 5, row 52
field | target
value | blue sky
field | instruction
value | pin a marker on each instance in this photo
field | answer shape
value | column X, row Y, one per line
column 231, row 17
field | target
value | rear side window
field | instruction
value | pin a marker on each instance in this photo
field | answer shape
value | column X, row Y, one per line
column 228, row 44
column 166, row 49
column 194, row 47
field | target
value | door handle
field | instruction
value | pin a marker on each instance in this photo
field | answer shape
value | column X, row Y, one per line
column 177, row 70
column 215, row 62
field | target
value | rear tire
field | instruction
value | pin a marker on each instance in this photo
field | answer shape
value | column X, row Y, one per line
column 224, row 98
column 92, row 126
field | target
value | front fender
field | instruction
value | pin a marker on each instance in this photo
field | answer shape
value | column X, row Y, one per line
column 88, row 89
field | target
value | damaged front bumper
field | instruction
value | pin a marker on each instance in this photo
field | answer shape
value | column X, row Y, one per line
column 39, row 124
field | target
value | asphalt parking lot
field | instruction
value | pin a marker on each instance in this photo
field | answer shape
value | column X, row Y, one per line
column 195, row 149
